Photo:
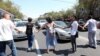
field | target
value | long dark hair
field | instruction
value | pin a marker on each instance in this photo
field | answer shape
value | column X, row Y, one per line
column 48, row 19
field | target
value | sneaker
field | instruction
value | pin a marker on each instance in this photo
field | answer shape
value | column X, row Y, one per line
column 29, row 49
column 93, row 47
column 47, row 51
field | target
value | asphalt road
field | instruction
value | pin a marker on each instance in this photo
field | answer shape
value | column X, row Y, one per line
column 62, row 48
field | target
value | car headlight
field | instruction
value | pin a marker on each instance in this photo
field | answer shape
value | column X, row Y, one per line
column 65, row 34
column 62, row 35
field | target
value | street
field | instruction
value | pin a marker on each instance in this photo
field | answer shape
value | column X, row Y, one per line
column 25, row 21
column 62, row 48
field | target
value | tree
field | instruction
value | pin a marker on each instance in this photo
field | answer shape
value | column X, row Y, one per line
column 10, row 7
column 58, row 15
column 90, row 6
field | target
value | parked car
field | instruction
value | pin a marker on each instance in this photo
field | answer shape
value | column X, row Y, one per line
column 82, row 23
column 98, row 24
column 40, row 23
column 21, row 25
column 68, row 23
column 60, row 32
column 16, row 20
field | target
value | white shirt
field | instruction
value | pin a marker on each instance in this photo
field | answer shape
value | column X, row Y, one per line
column 92, row 25
column 74, row 27
column 6, row 28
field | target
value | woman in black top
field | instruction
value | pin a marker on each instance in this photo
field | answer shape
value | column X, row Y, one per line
column 29, row 33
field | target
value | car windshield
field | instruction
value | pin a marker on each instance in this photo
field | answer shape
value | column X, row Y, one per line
column 42, row 21
column 20, row 24
column 81, row 21
column 60, row 23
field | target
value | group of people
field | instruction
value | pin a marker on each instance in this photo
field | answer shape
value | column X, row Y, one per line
column 51, row 38
column 92, row 28
column 7, row 26
column 6, row 35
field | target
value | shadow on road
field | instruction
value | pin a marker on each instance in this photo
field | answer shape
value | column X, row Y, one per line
column 25, row 49
column 19, row 40
column 63, row 41
column 43, row 51
column 82, row 55
column 21, row 48
column 63, row 52
column 98, row 42
column 59, row 52
column 82, row 46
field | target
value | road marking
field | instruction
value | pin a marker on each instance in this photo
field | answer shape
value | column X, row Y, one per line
column 37, row 48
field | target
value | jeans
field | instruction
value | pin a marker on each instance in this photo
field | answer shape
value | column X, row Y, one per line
column 30, row 40
column 11, row 44
column 73, row 42
column 92, row 38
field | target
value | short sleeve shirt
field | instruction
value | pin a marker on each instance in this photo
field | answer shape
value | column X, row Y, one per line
column 6, row 29
column 74, row 27
column 92, row 25
column 29, row 28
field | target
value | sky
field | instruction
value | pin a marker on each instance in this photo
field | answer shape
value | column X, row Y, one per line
column 35, row 8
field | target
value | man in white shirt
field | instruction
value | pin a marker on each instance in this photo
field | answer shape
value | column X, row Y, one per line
column 74, row 31
column 6, row 36
column 92, row 27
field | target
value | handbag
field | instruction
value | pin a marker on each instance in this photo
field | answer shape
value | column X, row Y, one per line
column 76, row 35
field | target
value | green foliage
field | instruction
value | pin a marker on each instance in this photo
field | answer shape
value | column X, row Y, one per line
column 91, row 7
column 58, row 15
column 82, row 10
column 10, row 7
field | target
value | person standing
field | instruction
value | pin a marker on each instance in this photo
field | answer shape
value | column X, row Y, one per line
column 29, row 33
column 74, row 32
column 6, row 36
column 92, row 27
column 50, row 38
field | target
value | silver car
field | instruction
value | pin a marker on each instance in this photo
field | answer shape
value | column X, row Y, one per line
column 21, row 25
column 60, row 32
column 41, row 22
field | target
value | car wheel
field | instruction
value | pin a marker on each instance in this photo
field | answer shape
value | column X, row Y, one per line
column 61, row 41
column 58, row 38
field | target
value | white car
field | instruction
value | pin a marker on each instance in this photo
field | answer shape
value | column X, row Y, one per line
column 21, row 25
column 41, row 22
column 60, row 33
column 16, row 20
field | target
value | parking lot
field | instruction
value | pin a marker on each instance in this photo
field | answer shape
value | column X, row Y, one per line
column 62, row 48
